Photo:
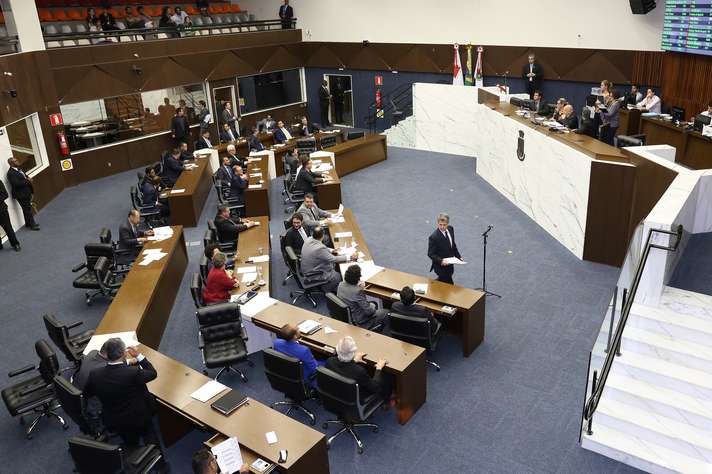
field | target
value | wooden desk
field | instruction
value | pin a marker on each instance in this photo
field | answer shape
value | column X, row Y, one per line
column 406, row 362
column 353, row 155
column 692, row 149
column 249, row 243
column 469, row 319
column 628, row 121
column 187, row 206
column 330, row 192
column 257, row 200
column 143, row 304
column 248, row 456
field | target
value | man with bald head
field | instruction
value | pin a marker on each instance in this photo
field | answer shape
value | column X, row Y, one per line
column 568, row 118
column 287, row 343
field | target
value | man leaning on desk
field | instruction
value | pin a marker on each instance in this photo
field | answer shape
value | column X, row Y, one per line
column 318, row 262
column 172, row 168
column 229, row 227
column 349, row 363
column 130, row 236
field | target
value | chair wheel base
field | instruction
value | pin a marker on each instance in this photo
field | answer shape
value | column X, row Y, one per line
column 359, row 450
column 375, row 430
column 325, row 425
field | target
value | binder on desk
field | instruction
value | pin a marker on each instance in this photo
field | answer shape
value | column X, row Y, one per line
column 229, row 402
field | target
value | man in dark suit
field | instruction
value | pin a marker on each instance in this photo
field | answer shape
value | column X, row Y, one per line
column 130, row 236
column 229, row 118
column 441, row 245
column 539, row 106
column 254, row 142
column 172, row 168
column 286, row 13
column 324, row 98
column 292, row 159
column 347, row 363
column 180, row 130
column 185, row 155
column 150, row 189
column 224, row 174
column 307, row 179
column 5, row 220
column 305, row 128
column 227, row 135
column 128, row 406
column 407, row 307
column 281, row 133
column 203, row 141
column 238, row 184
column 297, row 234
column 229, row 227
column 533, row 74
column 22, row 190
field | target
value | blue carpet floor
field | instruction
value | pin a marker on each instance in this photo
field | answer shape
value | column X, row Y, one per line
column 513, row 406
column 694, row 269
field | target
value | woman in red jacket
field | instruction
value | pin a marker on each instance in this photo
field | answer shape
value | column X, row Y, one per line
column 220, row 281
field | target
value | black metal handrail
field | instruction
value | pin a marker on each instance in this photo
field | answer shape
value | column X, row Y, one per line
column 399, row 98
column 599, row 382
column 150, row 33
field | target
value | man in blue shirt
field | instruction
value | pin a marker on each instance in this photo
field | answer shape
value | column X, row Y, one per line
column 287, row 343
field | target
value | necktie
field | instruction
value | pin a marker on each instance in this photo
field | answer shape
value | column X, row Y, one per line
column 232, row 137
column 447, row 236
column 531, row 70
column 229, row 171
column 313, row 214
column 303, row 233
column 210, row 145
column 133, row 229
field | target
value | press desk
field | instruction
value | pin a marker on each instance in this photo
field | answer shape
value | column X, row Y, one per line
column 469, row 318
column 406, row 362
column 187, row 206
column 353, row 155
column 143, row 304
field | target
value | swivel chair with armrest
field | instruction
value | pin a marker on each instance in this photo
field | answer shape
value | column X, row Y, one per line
column 123, row 258
column 306, row 289
column 415, row 331
column 283, row 250
column 71, row 345
column 75, row 406
column 92, row 456
column 108, row 280
column 225, row 246
column 149, row 213
column 286, row 374
column 35, row 395
column 87, row 280
column 196, row 290
column 341, row 396
column 222, row 338
column 338, row 309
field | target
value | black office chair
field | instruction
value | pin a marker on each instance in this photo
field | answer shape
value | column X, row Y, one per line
column 204, row 266
column 338, row 309
column 207, row 238
column 292, row 196
column 282, row 248
column 35, row 395
column 87, row 280
column 415, row 331
column 149, row 213
column 92, row 457
column 105, row 235
column 341, row 396
column 196, row 290
column 306, row 289
column 286, row 375
column 222, row 338
column 75, row 406
column 123, row 258
column 226, row 246
column 236, row 206
column 108, row 280
column 71, row 345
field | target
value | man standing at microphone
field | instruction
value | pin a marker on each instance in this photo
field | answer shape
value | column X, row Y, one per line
column 441, row 245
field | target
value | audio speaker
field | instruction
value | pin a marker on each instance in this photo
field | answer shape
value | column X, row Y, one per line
column 641, row 7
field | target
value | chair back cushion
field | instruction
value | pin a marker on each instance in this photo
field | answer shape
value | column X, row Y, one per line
column 410, row 329
column 105, row 236
column 95, row 250
column 285, row 374
column 339, row 394
column 218, row 314
column 220, row 332
column 338, row 309
column 72, row 401
column 92, row 456
column 204, row 268
column 196, row 290
column 49, row 365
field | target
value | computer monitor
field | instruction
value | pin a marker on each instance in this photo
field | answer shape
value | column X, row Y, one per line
column 354, row 135
column 678, row 114
column 328, row 142
column 516, row 101
column 700, row 121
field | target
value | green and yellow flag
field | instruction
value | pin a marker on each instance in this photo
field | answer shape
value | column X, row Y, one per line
column 469, row 79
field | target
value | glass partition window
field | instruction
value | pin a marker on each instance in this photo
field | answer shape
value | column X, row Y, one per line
column 24, row 144
column 114, row 119
column 266, row 91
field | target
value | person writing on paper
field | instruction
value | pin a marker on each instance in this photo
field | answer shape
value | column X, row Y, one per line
column 130, row 236
column 297, row 234
column 287, row 342
column 228, row 227
column 313, row 216
column 220, row 281
column 441, row 245
column 349, row 363
column 128, row 407
column 307, row 179
column 407, row 307
column 204, row 462
column 363, row 311
column 318, row 262
column 281, row 135
column 651, row 102
column 567, row 117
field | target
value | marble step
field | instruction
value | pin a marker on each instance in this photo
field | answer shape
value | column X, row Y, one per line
column 658, row 400
column 674, row 435
column 692, row 382
column 654, row 344
column 686, row 302
column 642, row 454
column 668, row 322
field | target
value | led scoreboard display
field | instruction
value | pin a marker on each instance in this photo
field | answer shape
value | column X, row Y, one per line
column 688, row 26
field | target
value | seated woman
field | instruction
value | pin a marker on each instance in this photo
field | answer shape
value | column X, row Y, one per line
column 220, row 281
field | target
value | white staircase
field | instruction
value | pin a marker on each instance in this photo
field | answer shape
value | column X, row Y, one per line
column 403, row 134
column 656, row 409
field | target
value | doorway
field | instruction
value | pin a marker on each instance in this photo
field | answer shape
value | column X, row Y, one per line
column 221, row 95
column 341, row 111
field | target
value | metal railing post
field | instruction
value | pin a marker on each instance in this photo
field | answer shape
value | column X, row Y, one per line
column 594, row 386
column 613, row 316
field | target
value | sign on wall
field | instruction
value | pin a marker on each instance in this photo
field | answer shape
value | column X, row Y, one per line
column 66, row 164
column 55, row 119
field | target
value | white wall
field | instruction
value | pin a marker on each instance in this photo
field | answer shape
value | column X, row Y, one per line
column 600, row 24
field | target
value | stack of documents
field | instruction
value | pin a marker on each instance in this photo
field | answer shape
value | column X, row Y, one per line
column 208, row 391
column 249, row 279
column 256, row 305
column 454, row 261
column 254, row 186
column 151, row 255
column 177, row 191
column 255, row 175
column 98, row 340
column 322, row 167
column 308, row 326
column 368, row 268
column 162, row 233
column 420, row 288
column 190, row 166
column 228, row 456
column 259, row 259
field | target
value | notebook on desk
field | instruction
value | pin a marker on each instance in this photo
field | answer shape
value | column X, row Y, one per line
column 229, row 402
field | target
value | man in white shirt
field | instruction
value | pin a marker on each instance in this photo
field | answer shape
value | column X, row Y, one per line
column 651, row 102
column 179, row 16
column 708, row 112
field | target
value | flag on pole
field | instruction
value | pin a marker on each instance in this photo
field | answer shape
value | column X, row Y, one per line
column 478, row 67
column 457, row 68
column 469, row 81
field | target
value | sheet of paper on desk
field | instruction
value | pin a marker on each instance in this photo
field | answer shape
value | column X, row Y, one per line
column 164, row 231
column 307, row 326
column 254, row 186
column 228, row 455
column 150, row 251
column 98, row 340
column 208, row 391
column 251, row 269
column 257, row 304
column 249, row 278
column 348, row 251
column 190, row 166
column 279, row 145
column 454, row 261
column 337, row 219
column 420, row 288
column 260, row 259
column 328, row 330
column 340, row 212
column 255, row 175
column 177, row 191
column 341, row 235
column 368, row 268
column 253, row 160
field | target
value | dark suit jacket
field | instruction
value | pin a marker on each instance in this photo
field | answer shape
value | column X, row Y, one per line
column 20, row 186
column 124, row 396
column 3, row 196
column 228, row 229
column 542, row 108
column 292, row 162
column 439, row 247
column 149, row 192
column 201, row 143
column 306, row 130
column 294, row 239
column 225, row 136
column 356, row 371
column 127, row 238
column 286, row 13
column 237, row 160
column 255, row 143
column 324, row 96
column 186, row 155
column 180, row 127
column 279, row 136
column 172, row 169
column 307, row 180
column 536, row 70
column 416, row 311
column 237, row 186
column 570, row 122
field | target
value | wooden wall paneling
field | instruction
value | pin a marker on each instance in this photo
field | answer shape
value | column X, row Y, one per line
column 282, row 58
column 686, row 81
column 98, row 163
column 167, row 73
column 698, row 152
column 647, row 68
column 415, row 58
column 231, row 65
column 610, row 199
column 321, row 55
